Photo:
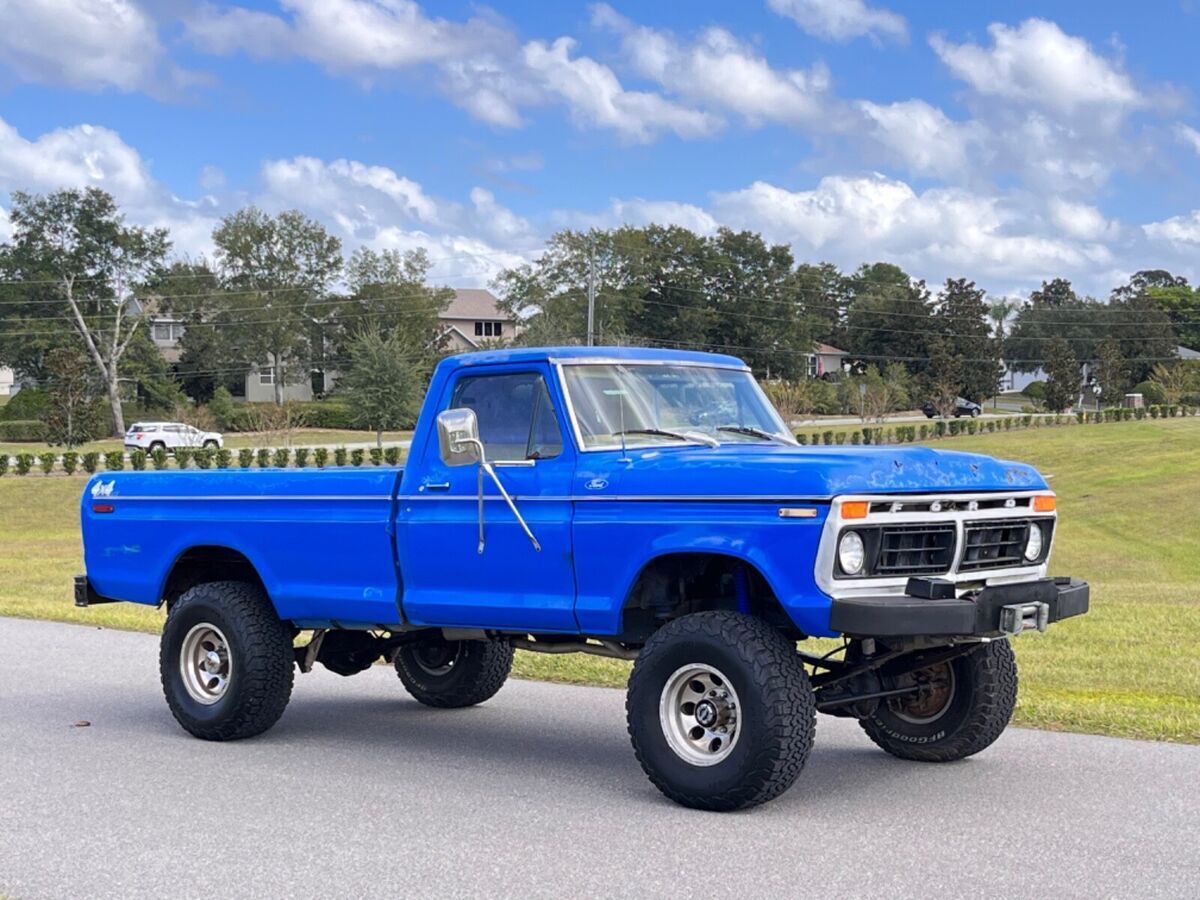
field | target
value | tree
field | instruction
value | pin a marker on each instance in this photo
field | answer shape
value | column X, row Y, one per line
column 73, row 391
column 888, row 317
column 381, row 384
column 96, row 265
column 389, row 296
column 1063, row 379
column 1182, row 306
column 944, row 377
column 208, row 354
column 1140, row 325
column 275, row 271
column 1111, row 372
column 961, row 317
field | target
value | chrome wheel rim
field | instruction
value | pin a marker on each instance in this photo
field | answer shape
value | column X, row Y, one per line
column 699, row 713
column 205, row 663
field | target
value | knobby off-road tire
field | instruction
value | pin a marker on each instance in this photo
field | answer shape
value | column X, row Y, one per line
column 984, row 692
column 226, row 661
column 453, row 674
column 723, row 658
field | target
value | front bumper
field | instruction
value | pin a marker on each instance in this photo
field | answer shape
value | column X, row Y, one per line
column 992, row 611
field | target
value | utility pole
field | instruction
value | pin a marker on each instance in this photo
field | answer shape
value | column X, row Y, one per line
column 591, row 295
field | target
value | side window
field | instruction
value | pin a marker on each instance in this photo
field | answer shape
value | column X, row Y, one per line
column 516, row 417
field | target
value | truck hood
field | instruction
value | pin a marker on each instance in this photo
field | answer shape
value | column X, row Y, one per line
column 775, row 470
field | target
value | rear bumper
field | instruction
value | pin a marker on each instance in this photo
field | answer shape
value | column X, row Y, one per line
column 992, row 611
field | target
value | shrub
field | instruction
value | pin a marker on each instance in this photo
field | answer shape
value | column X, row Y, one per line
column 356, row 457
column 924, row 432
column 46, row 462
column 3, row 464
column 224, row 458
column 801, row 438
column 391, row 456
column 1151, row 391
column 1008, row 423
column 840, row 438
column 1028, row 420
column 183, row 458
column 280, row 458
column 816, row 439
column 1035, row 390
column 301, row 457
column 856, row 437
column 321, row 457
column 24, row 463
column 866, row 435
column 263, row 457
column 27, row 404
column 23, row 431
column 1172, row 411
column 204, row 458
column 972, row 428
column 159, row 458
column 939, row 427
column 339, row 456
column 223, row 409
column 245, row 457
column 114, row 461
column 137, row 460
column 377, row 455
column 1154, row 412
column 91, row 461
column 954, row 427
column 70, row 462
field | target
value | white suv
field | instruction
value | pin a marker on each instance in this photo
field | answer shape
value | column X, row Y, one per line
column 151, row 436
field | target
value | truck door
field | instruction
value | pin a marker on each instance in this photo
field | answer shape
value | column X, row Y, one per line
column 509, row 585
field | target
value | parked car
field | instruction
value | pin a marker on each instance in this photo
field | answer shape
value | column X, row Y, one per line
column 151, row 436
column 583, row 499
column 962, row 407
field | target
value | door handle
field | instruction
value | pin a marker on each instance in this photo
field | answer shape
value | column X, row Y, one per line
column 436, row 486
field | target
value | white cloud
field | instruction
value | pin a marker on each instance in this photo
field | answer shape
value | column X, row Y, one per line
column 594, row 96
column 934, row 234
column 88, row 44
column 342, row 34
column 842, row 20
column 1181, row 231
column 5, row 225
column 921, row 136
column 1038, row 64
column 1080, row 220
column 1188, row 135
column 719, row 70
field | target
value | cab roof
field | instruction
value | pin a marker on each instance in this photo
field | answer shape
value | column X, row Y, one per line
column 592, row 354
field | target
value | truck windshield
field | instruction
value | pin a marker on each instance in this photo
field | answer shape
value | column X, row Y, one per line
column 658, row 404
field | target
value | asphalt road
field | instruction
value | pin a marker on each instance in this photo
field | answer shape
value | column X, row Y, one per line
column 359, row 792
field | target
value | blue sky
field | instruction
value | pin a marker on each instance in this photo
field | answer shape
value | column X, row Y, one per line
column 1005, row 142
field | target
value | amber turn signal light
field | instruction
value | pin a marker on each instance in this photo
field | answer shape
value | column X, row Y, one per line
column 1045, row 503
column 855, row 509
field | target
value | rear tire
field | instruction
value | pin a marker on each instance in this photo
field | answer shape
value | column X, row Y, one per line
column 952, row 723
column 156, row 446
column 210, row 445
column 226, row 661
column 453, row 674
column 721, row 712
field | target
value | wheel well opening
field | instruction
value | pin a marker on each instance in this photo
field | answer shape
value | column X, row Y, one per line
column 682, row 583
column 208, row 563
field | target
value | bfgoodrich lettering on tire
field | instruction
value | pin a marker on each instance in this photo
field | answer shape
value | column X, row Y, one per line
column 721, row 712
column 226, row 661
column 962, row 707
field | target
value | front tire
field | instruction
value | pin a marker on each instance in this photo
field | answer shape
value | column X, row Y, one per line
column 226, row 661
column 967, row 703
column 721, row 712
column 453, row 674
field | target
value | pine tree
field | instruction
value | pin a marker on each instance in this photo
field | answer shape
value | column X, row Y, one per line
column 1062, row 369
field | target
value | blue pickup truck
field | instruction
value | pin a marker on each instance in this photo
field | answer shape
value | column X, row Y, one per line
column 646, row 505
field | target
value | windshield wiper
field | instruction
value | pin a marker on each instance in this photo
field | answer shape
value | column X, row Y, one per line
column 754, row 432
column 690, row 436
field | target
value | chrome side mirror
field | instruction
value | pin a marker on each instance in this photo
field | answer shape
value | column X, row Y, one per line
column 459, row 445
column 458, row 437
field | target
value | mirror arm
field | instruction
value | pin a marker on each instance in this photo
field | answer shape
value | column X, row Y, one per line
column 485, row 466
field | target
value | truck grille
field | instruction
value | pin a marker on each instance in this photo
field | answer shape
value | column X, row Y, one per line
column 915, row 550
column 994, row 545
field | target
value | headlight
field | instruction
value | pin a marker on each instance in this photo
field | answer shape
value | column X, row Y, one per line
column 1033, row 546
column 851, row 553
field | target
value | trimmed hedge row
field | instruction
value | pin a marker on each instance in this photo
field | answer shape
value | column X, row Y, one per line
column 23, row 431
column 138, row 460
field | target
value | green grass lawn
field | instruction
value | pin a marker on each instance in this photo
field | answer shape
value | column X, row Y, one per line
column 304, row 437
column 1129, row 499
